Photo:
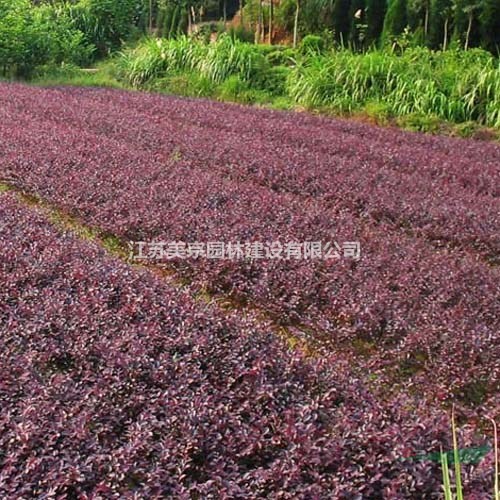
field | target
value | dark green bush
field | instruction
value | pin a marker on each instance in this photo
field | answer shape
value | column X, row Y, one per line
column 34, row 36
column 241, row 33
column 274, row 80
column 312, row 44
column 105, row 23
column 281, row 56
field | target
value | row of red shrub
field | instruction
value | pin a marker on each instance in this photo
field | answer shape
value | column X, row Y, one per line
column 147, row 167
column 113, row 384
column 442, row 189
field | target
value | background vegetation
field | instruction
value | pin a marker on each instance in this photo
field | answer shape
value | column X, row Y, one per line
column 420, row 63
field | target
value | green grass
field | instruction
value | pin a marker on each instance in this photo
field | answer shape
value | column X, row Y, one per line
column 157, row 58
column 447, row 486
column 456, row 459
column 103, row 74
column 448, row 494
column 496, row 488
column 186, row 84
column 112, row 243
column 453, row 86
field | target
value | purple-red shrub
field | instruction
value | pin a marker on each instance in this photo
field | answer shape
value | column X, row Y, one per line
column 442, row 189
column 113, row 384
column 425, row 210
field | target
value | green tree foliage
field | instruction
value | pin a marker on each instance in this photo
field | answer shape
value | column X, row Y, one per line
column 396, row 19
column 430, row 22
column 314, row 15
column 12, row 27
column 31, row 36
column 375, row 14
column 440, row 23
column 106, row 23
column 340, row 20
column 490, row 25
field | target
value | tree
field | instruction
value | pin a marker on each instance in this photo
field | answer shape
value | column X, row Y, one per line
column 271, row 21
column 175, row 21
column 12, row 33
column 150, row 23
column 396, row 19
column 441, row 14
column 167, row 20
column 375, row 14
column 466, row 23
column 35, row 35
column 418, row 16
column 469, row 10
column 106, row 23
column 296, row 23
column 260, row 23
column 341, row 22
column 447, row 17
column 357, row 31
column 490, row 25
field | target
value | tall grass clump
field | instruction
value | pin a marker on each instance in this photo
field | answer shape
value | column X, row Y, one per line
column 455, row 85
column 154, row 57
column 230, row 56
column 217, row 61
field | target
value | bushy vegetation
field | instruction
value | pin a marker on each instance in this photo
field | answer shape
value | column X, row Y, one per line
column 355, row 56
column 216, row 62
column 455, row 85
column 31, row 37
column 420, row 84
column 51, row 33
column 106, row 23
column 103, row 360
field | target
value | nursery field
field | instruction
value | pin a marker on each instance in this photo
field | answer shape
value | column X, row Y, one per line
column 280, row 375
